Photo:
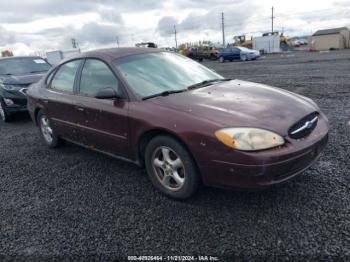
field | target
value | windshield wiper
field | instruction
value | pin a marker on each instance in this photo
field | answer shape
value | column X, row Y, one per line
column 206, row 83
column 38, row 71
column 164, row 93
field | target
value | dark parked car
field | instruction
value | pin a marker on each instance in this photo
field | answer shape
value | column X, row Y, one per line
column 184, row 122
column 237, row 53
column 16, row 74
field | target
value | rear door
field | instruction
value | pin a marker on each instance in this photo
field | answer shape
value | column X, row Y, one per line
column 231, row 53
column 59, row 96
column 103, row 123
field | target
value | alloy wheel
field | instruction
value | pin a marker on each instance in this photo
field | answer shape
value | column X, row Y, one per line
column 168, row 168
column 46, row 129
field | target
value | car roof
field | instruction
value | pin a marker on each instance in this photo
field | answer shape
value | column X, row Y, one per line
column 114, row 53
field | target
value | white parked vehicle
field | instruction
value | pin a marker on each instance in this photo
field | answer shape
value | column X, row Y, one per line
column 248, row 54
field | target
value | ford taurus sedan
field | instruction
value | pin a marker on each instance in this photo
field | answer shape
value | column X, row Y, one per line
column 185, row 123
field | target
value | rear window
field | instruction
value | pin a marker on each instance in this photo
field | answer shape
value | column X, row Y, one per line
column 23, row 66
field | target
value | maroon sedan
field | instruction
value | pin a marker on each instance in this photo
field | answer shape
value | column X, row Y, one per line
column 185, row 123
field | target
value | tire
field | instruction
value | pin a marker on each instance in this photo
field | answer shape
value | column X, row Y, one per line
column 243, row 58
column 4, row 115
column 221, row 59
column 171, row 168
column 49, row 136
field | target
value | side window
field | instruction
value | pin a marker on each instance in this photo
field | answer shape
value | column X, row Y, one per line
column 64, row 78
column 95, row 76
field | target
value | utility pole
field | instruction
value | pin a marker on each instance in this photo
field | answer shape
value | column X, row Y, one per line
column 272, row 17
column 74, row 43
column 223, row 28
column 117, row 39
column 175, row 36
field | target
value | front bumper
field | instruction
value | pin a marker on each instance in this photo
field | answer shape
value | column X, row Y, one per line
column 233, row 169
column 264, row 175
column 19, row 100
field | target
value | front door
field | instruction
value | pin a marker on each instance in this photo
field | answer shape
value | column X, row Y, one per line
column 58, row 99
column 103, row 123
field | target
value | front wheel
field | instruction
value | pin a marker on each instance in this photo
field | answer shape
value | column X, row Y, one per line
column 171, row 168
column 221, row 59
column 46, row 131
column 4, row 115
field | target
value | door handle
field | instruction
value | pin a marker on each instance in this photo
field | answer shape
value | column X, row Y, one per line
column 79, row 108
column 45, row 101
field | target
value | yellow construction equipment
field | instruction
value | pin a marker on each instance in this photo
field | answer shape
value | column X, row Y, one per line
column 241, row 40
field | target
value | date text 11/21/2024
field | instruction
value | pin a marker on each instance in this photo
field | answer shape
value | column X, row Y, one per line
column 173, row 258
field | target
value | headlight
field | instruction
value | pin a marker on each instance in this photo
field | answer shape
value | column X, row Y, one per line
column 249, row 139
column 7, row 87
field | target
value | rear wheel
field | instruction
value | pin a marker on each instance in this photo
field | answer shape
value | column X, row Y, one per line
column 221, row 59
column 4, row 115
column 243, row 57
column 171, row 168
column 46, row 131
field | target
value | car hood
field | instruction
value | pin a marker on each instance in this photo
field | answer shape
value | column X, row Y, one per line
column 21, row 80
column 239, row 103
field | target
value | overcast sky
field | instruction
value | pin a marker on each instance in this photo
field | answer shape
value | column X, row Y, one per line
column 43, row 25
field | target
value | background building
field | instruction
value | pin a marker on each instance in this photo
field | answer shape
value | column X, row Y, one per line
column 336, row 38
column 54, row 57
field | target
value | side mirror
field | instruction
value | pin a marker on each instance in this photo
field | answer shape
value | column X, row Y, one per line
column 106, row 93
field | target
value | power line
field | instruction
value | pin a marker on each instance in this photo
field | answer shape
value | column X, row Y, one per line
column 281, row 16
column 320, row 11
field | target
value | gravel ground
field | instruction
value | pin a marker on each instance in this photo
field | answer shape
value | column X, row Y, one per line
column 71, row 202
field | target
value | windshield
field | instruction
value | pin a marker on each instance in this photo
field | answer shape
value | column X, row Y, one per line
column 22, row 66
column 154, row 73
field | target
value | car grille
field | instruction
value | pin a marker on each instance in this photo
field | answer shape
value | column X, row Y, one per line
column 304, row 126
